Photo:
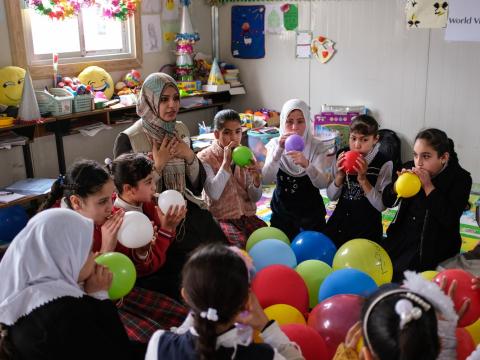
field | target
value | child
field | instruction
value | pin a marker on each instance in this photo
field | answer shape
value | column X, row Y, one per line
column 296, row 203
column 168, row 140
column 88, row 188
column 231, row 191
column 133, row 178
column 426, row 229
column 48, row 273
column 358, row 213
column 216, row 287
column 416, row 321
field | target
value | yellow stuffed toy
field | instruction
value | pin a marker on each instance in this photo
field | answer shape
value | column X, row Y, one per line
column 11, row 85
column 98, row 80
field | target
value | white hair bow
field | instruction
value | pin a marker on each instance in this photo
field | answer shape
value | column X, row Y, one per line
column 210, row 314
column 407, row 312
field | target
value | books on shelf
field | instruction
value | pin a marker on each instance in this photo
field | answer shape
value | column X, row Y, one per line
column 216, row 88
column 239, row 90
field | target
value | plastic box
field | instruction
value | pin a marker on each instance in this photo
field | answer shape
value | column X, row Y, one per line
column 258, row 138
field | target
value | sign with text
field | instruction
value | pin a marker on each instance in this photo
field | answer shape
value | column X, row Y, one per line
column 463, row 21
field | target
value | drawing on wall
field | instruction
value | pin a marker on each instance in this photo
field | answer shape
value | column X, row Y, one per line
column 273, row 19
column 248, row 32
column 152, row 33
column 151, row 6
column 290, row 16
column 426, row 14
column 322, row 48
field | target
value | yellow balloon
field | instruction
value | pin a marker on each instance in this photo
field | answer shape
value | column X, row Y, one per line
column 366, row 256
column 285, row 314
column 407, row 185
column 11, row 85
column 474, row 330
column 429, row 274
column 98, row 79
column 360, row 345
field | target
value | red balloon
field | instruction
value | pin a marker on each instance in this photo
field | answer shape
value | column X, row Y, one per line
column 464, row 291
column 279, row 284
column 465, row 344
column 350, row 161
column 311, row 343
column 333, row 317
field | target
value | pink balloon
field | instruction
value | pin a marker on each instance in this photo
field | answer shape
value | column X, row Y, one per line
column 333, row 317
column 311, row 343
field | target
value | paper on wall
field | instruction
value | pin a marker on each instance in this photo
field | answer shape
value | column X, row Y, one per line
column 431, row 14
column 273, row 19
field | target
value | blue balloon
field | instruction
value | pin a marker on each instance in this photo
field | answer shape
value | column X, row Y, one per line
column 12, row 220
column 272, row 252
column 313, row 245
column 346, row 281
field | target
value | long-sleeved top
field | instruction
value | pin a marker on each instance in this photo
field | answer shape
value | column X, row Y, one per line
column 72, row 328
column 426, row 229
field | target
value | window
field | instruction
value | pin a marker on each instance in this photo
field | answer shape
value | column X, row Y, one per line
column 80, row 41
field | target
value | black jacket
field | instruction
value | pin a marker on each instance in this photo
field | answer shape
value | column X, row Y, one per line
column 426, row 229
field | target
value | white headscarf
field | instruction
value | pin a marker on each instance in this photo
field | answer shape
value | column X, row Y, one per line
column 313, row 147
column 43, row 262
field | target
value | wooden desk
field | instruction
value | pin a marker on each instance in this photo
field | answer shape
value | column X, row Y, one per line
column 24, row 200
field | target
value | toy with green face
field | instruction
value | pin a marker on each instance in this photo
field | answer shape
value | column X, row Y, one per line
column 11, row 85
column 98, row 79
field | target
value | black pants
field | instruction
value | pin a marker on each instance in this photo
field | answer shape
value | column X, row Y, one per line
column 292, row 226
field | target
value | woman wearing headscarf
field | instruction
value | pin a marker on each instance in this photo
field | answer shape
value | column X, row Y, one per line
column 296, row 203
column 53, row 298
column 168, row 140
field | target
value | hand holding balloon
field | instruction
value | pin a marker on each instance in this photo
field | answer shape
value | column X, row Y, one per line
column 283, row 139
column 124, row 273
column 425, row 179
column 298, row 158
column 227, row 157
column 136, row 230
column 100, row 280
column 407, row 185
column 294, row 143
column 242, row 156
column 172, row 218
column 350, row 161
column 110, row 230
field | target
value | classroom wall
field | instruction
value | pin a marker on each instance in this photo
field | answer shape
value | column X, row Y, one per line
column 409, row 79
column 100, row 146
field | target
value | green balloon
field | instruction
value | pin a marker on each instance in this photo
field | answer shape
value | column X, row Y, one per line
column 267, row 232
column 124, row 273
column 242, row 155
column 313, row 272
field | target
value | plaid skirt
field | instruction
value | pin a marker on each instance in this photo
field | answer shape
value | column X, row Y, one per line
column 237, row 231
column 144, row 311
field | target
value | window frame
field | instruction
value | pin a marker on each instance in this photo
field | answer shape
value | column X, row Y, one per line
column 18, row 48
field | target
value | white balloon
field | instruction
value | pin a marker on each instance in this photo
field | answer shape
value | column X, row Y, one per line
column 136, row 230
column 170, row 198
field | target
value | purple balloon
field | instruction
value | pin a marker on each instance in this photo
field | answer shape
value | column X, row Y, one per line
column 294, row 143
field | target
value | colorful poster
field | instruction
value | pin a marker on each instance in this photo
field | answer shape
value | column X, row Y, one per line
column 290, row 16
column 463, row 21
column 431, row 14
column 273, row 19
column 248, row 32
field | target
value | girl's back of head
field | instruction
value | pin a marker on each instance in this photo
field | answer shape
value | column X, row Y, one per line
column 83, row 178
column 440, row 142
column 216, row 287
column 129, row 169
column 364, row 125
column 401, row 325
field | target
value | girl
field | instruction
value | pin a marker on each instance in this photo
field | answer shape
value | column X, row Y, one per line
column 88, row 188
column 214, row 313
column 296, row 203
column 133, row 178
column 168, row 141
column 426, row 229
column 48, row 273
column 358, row 213
column 231, row 191
column 416, row 321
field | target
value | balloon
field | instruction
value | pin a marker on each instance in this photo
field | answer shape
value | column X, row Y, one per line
column 311, row 343
column 170, row 198
column 12, row 220
column 124, row 273
column 313, row 245
column 267, row 232
column 285, row 314
column 465, row 344
column 350, row 161
column 278, row 284
column 346, row 281
column 407, row 185
column 474, row 331
column 332, row 318
column 269, row 252
column 313, row 272
column 294, row 143
column 463, row 291
column 366, row 256
column 242, row 155
column 136, row 230
column 429, row 274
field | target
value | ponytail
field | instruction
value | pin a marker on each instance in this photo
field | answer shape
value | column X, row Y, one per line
column 6, row 346
column 207, row 337
column 56, row 193
column 453, row 155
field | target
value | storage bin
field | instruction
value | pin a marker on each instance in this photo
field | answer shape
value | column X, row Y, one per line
column 258, row 138
column 82, row 103
column 57, row 101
